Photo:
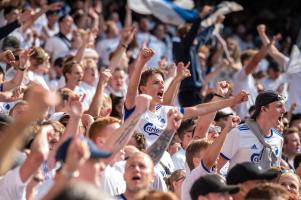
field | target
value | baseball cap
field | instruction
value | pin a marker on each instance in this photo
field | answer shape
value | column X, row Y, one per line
column 223, row 113
column 211, row 183
column 248, row 171
column 266, row 97
column 95, row 152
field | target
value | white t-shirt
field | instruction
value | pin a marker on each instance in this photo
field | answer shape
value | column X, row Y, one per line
column 55, row 46
column 112, row 181
column 179, row 159
column 37, row 78
column 158, row 183
column 196, row 173
column 43, row 188
column 152, row 124
column 271, row 84
column 242, row 81
column 241, row 145
column 11, row 186
column 105, row 47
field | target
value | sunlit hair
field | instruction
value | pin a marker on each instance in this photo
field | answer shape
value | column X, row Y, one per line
column 146, row 75
column 99, row 124
column 175, row 177
column 267, row 191
column 195, row 147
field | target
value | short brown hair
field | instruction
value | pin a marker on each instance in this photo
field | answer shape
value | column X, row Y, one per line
column 288, row 132
column 174, row 177
column 100, row 124
column 194, row 148
column 39, row 55
column 57, row 126
column 67, row 68
column 146, row 75
column 267, row 191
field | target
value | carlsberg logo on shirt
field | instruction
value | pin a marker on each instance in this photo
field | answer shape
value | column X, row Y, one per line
column 151, row 129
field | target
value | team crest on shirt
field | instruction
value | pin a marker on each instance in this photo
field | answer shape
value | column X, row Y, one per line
column 151, row 129
column 255, row 157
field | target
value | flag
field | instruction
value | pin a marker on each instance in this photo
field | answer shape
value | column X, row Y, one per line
column 294, row 64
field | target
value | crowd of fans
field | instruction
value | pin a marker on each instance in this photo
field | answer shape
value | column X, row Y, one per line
column 101, row 104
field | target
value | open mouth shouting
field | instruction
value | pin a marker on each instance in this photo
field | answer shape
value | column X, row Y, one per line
column 160, row 94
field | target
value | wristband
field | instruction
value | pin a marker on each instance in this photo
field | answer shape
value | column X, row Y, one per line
column 218, row 95
column 22, row 69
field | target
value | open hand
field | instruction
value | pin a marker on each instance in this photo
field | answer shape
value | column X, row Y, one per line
column 128, row 35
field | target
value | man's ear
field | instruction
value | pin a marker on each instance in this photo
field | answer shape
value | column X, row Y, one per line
column 142, row 88
column 263, row 108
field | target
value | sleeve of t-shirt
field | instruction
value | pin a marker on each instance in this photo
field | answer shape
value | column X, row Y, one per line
column 11, row 185
column 230, row 146
column 180, row 109
column 128, row 112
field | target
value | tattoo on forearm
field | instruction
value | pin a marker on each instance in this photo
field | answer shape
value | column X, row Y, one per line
column 156, row 150
column 129, row 127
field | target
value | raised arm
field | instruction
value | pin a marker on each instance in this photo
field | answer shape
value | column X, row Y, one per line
column 214, row 149
column 279, row 57
column 205, row 108
column 38, row 101
column 127, row 37
column 8, row 28
column 122, row 136
column 251, row 66
column 77, row 154
column 46, row 7
column 81, row 51
column 156, row 150
column 192, row 33
column 204, row 121
column 23, row 66
column 97, row 100
column 128, row 17
column 172, row 91
column 144, row 56
column 38, row 154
